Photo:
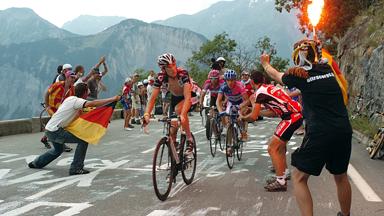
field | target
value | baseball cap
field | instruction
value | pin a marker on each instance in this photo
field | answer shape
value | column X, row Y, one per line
column 67, row 66
column 220, row 59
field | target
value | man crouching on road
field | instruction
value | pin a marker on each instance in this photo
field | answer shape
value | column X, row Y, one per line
column 69, row 111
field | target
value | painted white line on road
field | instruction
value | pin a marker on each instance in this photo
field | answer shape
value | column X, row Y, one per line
column 149, row 150
column 199, row 131
column 362, row 185
column 4, row 172
column 158, row 213
column 138, row 169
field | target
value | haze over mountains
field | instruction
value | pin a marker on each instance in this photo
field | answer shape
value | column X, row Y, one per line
column 88, row 25
column 28, row 68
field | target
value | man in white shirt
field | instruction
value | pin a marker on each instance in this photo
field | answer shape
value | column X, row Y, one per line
column 70, row 110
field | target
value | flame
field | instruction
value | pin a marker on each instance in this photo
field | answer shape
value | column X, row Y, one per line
column 314, row 11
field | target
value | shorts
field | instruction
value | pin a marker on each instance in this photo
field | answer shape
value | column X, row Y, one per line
column 135, row 103
column 330, row 149
column 176, row 100
column 212, row 101
column 229, row 105
column 286, row 128
column 166, row 97
column 127, row 105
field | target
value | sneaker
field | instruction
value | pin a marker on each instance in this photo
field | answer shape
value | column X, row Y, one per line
column 138, row 122
column 44, row 140
column 128, row 129
column 67, row 148
column 32, row 166
column 132, row 121
column 276, row 187
column 78, row 172
column 271, row 179
column 131, row 126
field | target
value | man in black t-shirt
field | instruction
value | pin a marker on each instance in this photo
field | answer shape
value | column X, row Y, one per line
column 328, row 133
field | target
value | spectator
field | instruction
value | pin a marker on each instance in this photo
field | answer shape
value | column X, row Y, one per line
column 135, row 100
column 68, row 112
column 94, row 83
column 127, row 103
column 66, row 68
column 151, row 81
column 59, row 69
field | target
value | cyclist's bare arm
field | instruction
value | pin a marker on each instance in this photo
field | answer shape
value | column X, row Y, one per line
column 187, row 99
column 219, row 103
column 272, row 72
column 202, row 97
column 267, row 113
column 246, row 101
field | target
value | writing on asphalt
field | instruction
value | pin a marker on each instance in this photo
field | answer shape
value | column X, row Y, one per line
column 45, row 177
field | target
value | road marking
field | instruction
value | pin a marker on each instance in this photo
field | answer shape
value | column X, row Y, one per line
column 138, row 169
column 199, row 131
column 74, row 208
column 4, row 172
column 362, row 185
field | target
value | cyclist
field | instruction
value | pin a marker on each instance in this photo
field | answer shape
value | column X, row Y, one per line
column 212, row 84
column 179, row 85
column 235, row 92
column 328, row 132
column 279, row 103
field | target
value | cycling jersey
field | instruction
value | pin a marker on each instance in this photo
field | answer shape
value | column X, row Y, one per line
column 175, row 86
column 234, row 95
column 57, row 95
column 248, row 87
column 214, row 90
column 277, row 100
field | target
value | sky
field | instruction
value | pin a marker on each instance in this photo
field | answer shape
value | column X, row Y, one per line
column 60, row 11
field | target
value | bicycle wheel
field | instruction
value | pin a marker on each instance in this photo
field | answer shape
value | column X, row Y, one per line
column 208, row 128
column 188, row 168
column 220, row 136
column 378, row 143
column 42, row 121
column 162, row 169
column 213, row 137
column 229, row 150
column 239, row 147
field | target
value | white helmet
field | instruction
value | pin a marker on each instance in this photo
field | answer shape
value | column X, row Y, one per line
column 220, row 59
column 145, row 82
column 166, row 59
column 139, row 84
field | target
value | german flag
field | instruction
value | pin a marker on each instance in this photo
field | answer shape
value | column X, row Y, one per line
column 91, row 126
column 338, row 75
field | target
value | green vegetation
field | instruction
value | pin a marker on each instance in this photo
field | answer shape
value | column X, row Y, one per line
column 237, row 57
column 363, row 125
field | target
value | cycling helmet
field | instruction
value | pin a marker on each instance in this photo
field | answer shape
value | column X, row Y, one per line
column 166, row 59
column 145, row 82
column 306, row 51
column 213, row 74
column 230, row 75
column 220, row 59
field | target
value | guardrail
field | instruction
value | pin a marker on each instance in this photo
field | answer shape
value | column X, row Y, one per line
column 32, row 125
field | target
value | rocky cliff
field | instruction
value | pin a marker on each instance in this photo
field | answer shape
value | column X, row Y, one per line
column 361, row 57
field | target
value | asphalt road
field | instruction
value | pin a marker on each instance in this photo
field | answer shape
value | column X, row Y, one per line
column 120, row 181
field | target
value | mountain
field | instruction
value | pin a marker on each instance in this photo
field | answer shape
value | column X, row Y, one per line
column 88, row 25
column 20, row 25
column 28, row 69
column 245, row 21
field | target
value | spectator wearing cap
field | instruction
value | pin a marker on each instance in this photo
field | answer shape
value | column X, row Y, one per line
column 135, row 99
column 152, row 75
column 221, row 62
column 127, row 103
column 142, row 96
column 65, row 69
column 94, row 83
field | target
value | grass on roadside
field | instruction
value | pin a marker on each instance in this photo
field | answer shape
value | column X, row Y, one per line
column 363, row 125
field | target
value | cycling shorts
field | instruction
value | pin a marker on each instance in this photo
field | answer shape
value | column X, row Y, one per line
column 286, row 128
column 330, row 149
column 176, row 100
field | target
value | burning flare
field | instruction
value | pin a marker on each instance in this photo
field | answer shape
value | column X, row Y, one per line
column 314, row 11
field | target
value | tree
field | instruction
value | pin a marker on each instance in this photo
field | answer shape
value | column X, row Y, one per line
column 336, row 18
column 264, row 45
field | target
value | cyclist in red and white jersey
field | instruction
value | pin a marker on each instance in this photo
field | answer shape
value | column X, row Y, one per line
column 278, row 103
column 179, row 85
column 212, row 84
